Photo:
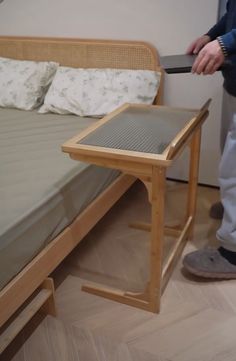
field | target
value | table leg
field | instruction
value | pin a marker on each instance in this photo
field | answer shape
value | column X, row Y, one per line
column 156, row 188
column 193, row 178
column 159, row 273
column 149, row 299
column 157, row 236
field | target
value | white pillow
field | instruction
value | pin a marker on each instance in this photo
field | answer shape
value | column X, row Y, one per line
column 23, row 83
column 95, row 92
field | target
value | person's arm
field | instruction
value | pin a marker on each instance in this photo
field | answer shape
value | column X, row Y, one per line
column 213, row 55
column 228, row 42
column 216, row 31
column 220, row 28
column 212, row 34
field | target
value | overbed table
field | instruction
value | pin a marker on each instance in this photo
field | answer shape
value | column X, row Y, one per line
column 143, row 141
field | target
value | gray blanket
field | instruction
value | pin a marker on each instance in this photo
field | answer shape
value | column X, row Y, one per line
column 41, row 189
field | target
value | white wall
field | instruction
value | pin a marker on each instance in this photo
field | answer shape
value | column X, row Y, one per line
column 170, row 25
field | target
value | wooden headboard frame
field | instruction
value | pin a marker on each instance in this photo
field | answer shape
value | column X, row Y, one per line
column 84, row 53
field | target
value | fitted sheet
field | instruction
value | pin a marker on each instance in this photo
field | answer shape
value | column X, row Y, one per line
column 42, row 190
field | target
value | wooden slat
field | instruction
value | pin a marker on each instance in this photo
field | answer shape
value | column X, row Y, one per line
column 23, row 318
column 175, row 253
column 168, row 231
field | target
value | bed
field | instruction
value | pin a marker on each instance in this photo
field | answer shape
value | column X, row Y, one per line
column 31, row 247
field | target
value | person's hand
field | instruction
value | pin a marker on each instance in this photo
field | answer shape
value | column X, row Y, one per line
column 198, row 44
column 209, row 59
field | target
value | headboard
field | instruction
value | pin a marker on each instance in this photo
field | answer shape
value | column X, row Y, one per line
column 83, row 53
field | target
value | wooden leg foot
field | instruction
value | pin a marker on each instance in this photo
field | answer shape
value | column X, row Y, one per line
column 139, row 300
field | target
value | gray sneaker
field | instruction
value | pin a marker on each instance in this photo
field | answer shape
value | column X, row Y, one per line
column 208, row 263
column 217, row 210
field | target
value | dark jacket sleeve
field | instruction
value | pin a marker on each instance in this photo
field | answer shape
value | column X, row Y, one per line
column 220, row 27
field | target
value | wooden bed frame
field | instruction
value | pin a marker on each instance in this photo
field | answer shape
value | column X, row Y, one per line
column 75, row 53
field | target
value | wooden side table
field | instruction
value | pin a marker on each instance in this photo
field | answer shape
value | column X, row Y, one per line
column 144, row 141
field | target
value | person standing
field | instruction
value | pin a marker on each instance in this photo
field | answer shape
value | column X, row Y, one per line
column 214, row 49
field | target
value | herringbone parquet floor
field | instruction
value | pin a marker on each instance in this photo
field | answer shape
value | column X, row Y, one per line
column 197, row 320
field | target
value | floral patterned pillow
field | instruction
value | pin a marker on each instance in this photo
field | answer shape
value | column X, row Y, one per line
column 23, row 83
column 95, row 92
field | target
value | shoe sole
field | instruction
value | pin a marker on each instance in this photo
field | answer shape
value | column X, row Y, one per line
column 223, row 276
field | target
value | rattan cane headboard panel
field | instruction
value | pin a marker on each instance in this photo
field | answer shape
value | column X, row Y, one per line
column 82, row 53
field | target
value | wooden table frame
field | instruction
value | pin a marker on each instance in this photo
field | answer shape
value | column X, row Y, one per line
column 151, row 170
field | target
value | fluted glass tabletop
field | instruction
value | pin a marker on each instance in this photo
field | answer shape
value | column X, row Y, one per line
column 140, row 129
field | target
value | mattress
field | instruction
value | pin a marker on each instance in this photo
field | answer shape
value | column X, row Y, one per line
column 41, row 189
